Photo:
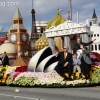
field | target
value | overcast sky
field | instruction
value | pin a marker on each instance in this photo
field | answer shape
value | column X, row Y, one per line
column 46, row 10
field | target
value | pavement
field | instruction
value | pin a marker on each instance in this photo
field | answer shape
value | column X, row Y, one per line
column 31, row 93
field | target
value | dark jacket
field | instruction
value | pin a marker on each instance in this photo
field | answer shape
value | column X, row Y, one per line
column 86, row 56
column 61, row 59
column 77, row 45
column 5, row 60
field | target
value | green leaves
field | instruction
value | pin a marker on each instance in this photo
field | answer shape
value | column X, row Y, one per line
column 9, row 81
column 21, row 81
column 96, row 76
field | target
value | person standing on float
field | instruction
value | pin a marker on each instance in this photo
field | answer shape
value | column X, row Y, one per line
column 76, row 46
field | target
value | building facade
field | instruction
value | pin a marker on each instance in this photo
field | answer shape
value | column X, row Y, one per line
column 94, row 33
column 41, row 27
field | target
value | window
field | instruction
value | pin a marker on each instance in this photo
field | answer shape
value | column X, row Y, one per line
column 22, row 30
column 90, row 23
column 92, row 47
column 99, row 46
column 91, row 35
column 88, row 35
column 12, row 31
column 15, row 21
column 94, row 35
column 20, row 21
column 95, row 47
column 97, row 35
column 42, row 30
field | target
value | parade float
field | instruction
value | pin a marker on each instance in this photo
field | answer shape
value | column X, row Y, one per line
column 40, row 74
column 38, row 71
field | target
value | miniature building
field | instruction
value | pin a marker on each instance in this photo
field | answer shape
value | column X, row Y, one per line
column 95, row 34
column 41, row 27
column 10, row 49
column 18, row 34
column 55, row 22
column 34, row 35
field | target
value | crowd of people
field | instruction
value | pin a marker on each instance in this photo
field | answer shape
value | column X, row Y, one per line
column 79, row 60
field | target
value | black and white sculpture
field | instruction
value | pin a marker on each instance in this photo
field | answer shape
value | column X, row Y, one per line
column 43, row 61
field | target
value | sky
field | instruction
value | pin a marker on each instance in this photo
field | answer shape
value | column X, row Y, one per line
column 45, row 10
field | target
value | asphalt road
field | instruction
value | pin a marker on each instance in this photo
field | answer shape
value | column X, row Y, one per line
column 89, row 93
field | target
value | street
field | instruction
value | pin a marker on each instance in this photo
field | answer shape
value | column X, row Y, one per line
column 31, row 93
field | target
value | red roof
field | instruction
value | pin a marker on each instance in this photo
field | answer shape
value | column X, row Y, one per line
column 2, row 39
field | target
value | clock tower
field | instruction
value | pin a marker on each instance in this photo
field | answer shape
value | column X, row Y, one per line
column 18, row 34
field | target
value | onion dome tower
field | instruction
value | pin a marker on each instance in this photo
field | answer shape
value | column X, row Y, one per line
column 55, row 22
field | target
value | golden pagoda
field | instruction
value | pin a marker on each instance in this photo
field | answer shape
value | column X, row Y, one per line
column 41, row 42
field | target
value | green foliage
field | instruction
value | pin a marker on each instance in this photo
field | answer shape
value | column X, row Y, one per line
column 22, row 81
column 96, row 77
column 9, row 81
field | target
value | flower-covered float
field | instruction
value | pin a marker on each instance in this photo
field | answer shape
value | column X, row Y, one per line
column 40, row 72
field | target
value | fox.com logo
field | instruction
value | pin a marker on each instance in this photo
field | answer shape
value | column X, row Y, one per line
column 4, row 4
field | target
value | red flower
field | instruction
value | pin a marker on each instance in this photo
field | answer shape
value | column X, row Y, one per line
column 21, row 69
column 95, row 57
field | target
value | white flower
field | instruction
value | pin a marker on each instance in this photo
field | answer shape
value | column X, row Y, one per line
column 11, row 69
column 80, row 81
column 42, row 82
column 68, row 83
column 76, row 81
column 87, row 81
column 37, row 82
column 84, row 81
column 63, row 83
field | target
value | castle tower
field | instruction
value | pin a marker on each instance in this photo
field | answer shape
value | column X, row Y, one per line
column 94, row 17
column 18, row 34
